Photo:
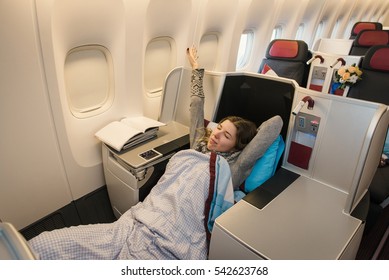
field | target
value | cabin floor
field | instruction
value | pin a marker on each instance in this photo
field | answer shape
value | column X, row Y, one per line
column 96, row 208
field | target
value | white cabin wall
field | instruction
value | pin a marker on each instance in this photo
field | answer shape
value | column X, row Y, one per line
column 241, row 10
column 372, row 10
column 344, row 9
column 361, row 11
column 33, row 181
column 218, row 18
column 261, row 18
column 329, row 14
column 311, row 20
column 64, row 25
column 157, row 18
column 291, row 13
column 384, row 13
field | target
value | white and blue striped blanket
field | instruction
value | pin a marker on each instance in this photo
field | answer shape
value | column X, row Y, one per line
column 171, row 223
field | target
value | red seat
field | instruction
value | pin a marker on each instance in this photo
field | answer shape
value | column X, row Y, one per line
column 287, row 58
column 374, row 87
column 374, row 84
column 368, row 38
column 364, row 25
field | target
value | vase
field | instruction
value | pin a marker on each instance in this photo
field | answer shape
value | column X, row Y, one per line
column 336, row 89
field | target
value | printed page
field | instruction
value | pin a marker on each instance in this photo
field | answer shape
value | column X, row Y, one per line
column 141, row 123
column 116, row 134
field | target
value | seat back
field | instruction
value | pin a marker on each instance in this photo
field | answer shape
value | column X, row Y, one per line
column 374, row 85
column 368, row 38
column 287, row 58
column 364, row 25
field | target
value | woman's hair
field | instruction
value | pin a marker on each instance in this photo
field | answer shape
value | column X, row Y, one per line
column 245, row 131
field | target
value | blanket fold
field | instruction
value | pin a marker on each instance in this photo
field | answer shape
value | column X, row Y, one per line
column 168, row 224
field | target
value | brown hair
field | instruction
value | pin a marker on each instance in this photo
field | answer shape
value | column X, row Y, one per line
column 245, row 131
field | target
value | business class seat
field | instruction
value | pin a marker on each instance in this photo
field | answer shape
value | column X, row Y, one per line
column 287, row 58
column 374, row 86
column 368, row 38
column 364, row 25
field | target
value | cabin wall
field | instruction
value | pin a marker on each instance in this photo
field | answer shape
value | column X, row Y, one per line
column 49, row 155
column 33, row 178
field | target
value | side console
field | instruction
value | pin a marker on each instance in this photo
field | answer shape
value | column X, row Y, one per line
column 131, row 174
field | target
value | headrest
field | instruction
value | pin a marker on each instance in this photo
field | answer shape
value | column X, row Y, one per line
column 364, row 25
column 368, row 38
column 377, row 58
column 291, row 50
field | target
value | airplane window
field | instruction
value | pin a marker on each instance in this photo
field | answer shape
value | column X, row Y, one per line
column 300, row 32
column 159, row 61
column 88, row 74
column 277, row 33
column 336, row 28
column 350, row 25
column 245, row 47
column 319, row 31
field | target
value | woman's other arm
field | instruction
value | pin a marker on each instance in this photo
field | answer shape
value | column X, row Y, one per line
column 196, row 99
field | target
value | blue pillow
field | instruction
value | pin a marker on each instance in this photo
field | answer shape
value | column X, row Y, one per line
column 265, row 166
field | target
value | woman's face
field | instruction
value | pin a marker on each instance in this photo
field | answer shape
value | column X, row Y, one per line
column 223, row 137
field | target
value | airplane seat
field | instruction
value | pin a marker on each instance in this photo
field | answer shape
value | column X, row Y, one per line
column 374, row 83
column 374, row 87
column 368, row 38
column 287, row 58
column 364, row 25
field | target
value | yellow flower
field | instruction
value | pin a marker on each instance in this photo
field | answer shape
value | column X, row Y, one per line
column 346, row 76
column 341, row 71
column 352, row 69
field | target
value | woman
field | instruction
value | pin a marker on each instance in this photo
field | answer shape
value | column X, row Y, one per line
column 236, row 139
column 173, row 220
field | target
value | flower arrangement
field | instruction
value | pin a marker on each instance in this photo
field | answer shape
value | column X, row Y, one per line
column 347, row 75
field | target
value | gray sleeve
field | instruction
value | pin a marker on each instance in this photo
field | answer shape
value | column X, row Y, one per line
column 196, row 106
column 266, row 134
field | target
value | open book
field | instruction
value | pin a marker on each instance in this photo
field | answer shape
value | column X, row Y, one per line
column 128, row 132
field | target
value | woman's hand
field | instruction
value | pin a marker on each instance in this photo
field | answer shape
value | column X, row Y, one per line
column 192, row 57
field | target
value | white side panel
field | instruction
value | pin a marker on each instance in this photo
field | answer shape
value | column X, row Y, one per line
column 341, row 144
column 33, row 183
column 375, row 137
column 176, row 102
column 304, row 222
column 225, row 247
column 333, row 46
column 344, row 137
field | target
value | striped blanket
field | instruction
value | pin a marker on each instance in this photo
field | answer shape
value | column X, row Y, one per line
column 171, row 223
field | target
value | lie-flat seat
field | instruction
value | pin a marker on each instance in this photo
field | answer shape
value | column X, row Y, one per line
column 287, row 58
column 364, row 25
column 374, row 86
column 368, row 38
